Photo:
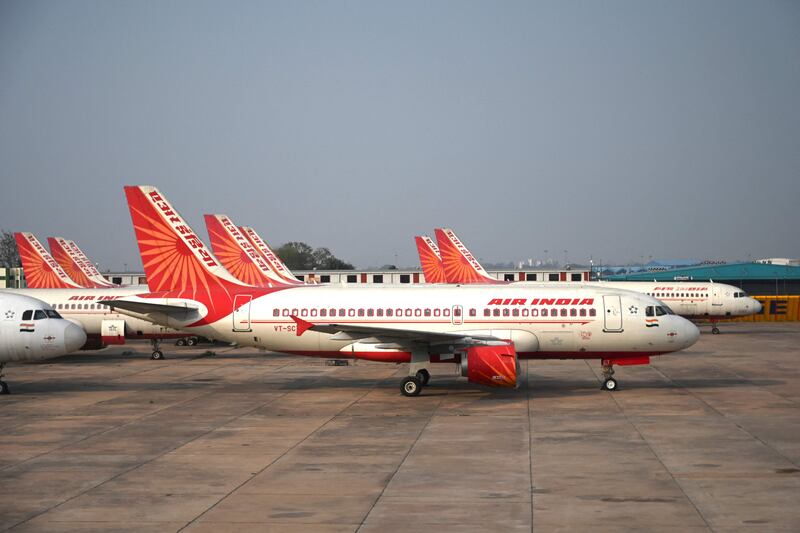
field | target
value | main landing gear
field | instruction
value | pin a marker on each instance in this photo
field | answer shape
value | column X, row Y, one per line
column 609, row 383
column 157, row 354
column 3, row 384
column 412, row 385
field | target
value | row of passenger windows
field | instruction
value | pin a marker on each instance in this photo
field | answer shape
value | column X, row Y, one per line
column 428, row 312
column 677, row 295
column 78, row 306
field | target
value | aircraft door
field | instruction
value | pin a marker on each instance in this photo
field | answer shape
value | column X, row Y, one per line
column 612, row 315
column 457, row 315
column 241, row 312
column 716, row 296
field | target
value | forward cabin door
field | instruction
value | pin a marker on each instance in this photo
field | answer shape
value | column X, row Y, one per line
column 612, row 313
column 716, row 297
column 241, row 312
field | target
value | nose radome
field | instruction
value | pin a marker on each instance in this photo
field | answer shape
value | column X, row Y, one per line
column 74, row 337
column 691, row 333
column 757, row 307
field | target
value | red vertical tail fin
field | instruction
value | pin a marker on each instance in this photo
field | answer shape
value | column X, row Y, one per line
column 237, row 255
column 173, row 256
column 430, row 260
column 41, row 270
column 274, row 262
column 75, row 264
column 460, row 266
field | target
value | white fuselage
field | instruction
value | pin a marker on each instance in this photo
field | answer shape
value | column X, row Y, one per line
column 30, row 331
column 98, row 320
column 694, row 299
column 571, row 320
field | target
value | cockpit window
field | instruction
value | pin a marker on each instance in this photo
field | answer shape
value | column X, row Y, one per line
column 27, row 315
column 660, row 311
column 649, row 311
column 52, row 314
column 39, row 315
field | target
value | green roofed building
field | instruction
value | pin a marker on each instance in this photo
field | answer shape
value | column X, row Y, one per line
column 754, row 278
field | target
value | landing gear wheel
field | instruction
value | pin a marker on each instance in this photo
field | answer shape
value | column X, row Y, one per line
column 610, row 384
column 191, row 341
column 715, row 330
column 411, row 386
column 4, row 388
column 157, row 355
column 180, row 342
column 424, row 376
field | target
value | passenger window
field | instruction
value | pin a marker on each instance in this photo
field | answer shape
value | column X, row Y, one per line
column 313, row 312
column 573, row 312
column 554, row 312
column 389, row 312
column 276, row 312
column 427, row 312
column 437, row 312
column 534, row 312
column 379, row 312
column 457, row 311
column 506, row 312
column 323, row 312
column 342, row 312
column 304, row 312
column 496, row 312
column 398, row 312
column 563, row 312
column 27, row 315
column 351, row 312
column 515, row 312
column 487, row 312
column 360, row 312
column 592, row 312
column 39, row 315
column 544, row 312
column 473, row 312
column 446, row 312
column 417, row 312
column 583, row 312
column 370, row 312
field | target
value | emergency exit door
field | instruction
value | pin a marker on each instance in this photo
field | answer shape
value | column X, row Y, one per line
column 612, row 314
column 241, row 312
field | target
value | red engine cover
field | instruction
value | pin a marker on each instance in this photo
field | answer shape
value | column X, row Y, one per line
column 493, row 366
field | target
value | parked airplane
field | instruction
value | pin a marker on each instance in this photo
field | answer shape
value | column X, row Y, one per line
column 47, row 281
column 696, row 300
column 238, row 255
column 31, row 330
column 272, row 258
column 430, row 259
column 75, row 263
column 482, row 330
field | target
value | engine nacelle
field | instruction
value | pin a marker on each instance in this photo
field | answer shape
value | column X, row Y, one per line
column 493, row 366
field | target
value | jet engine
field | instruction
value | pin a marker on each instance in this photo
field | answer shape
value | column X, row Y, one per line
column 493, row 366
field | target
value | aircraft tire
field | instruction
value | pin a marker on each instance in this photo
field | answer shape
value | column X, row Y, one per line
column 180, row 342
column 424, row 376
column 157, row 355
column 191, row 341
column 715, row 330
column 610, row 384
column 411, row 386
column 4, row 388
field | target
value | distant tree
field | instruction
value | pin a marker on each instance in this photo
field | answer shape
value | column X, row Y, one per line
column 300, row 256
column 9, row 254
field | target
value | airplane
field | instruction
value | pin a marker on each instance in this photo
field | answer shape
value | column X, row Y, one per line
column 696, row 300
column 75, row 263
column 482, row 330
column 272, row 258
column 31, row 330
column 47, row 281
column 237, row 255
column 430, row 259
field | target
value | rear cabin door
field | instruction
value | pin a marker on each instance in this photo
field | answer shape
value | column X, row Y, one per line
column 241, row 312
column 612, row 313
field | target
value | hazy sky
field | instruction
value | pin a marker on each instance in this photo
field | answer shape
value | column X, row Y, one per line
column 616, row 129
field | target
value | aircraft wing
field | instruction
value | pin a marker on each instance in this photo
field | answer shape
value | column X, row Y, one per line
column 378, row 335
column 178, row 312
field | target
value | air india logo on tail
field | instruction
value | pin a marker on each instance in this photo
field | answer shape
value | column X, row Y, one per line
column 430, row 260
column 41, row 270
column 72, row 265
column 272, row 259
column 236, row 253
column 460, row 266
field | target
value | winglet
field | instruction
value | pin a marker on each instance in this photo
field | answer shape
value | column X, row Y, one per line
column 430, row 260
column 302, row 325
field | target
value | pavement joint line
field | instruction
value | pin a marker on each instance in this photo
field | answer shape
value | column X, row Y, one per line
column 115, row 427
column 403, row 460
column 727, row 417
column 655, row 454
column 165, row 452
column 281, row 456
column 530, row 432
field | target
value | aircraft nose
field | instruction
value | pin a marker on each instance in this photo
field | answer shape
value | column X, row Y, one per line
column 74, row 337
column 690, row 332
column 757, row 307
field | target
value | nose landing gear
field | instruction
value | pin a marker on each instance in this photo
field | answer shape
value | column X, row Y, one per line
column 157, row 354
column 609, row 383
